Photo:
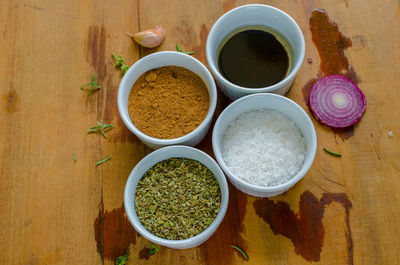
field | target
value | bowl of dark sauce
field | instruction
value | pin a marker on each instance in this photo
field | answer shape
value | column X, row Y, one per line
column 255, row 49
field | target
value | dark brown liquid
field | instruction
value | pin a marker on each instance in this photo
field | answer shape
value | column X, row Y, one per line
column 254, row 59
column 113, row 233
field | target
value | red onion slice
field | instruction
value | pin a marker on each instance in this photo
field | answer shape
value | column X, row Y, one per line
column 337, row 102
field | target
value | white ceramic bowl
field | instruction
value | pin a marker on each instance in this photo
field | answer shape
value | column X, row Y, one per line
column 266, row 101
column 157, row 60
column 254, row 15
column 162, row 154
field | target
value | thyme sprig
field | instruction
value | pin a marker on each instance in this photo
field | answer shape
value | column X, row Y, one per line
column 241, row 251
column 178, row 48
column 104, row 160
column 93, row 86
column 75, row 157
column 100, row 128
column 153, row 249
column 120, row 63
column 121, row 260
column 332, row 153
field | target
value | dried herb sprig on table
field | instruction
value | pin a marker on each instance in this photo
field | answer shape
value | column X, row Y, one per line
column 75, row 157
column 178, row 48
column 153, row 249
column 104, row 160
column 241, row 251
column 100, row 128
column 120, row 63
column 122, row 259
column 93, row 86
column 332, row 153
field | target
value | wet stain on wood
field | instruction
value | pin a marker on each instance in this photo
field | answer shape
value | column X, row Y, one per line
column 200, row 49
column 11, row 101
column 217, row 249
column 331, row 44
column 305, row 229
column 144, row 253
column 111, row 106
column 307, row 88
column 95, row 55
column 113, row 233
column 95, row 50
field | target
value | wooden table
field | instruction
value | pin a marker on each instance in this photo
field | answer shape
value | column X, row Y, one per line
column 57, row 211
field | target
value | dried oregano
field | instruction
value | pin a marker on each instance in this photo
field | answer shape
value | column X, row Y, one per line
column 177, row 198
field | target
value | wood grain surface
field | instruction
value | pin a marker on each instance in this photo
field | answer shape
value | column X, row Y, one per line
column 57, row 211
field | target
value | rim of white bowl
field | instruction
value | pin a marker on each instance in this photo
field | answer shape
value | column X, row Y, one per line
column 127, row 119
column 293, row 72
column 132, row 216
column 216, row 143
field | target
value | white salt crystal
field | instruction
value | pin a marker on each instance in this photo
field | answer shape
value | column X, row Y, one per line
column 263, row 147
column 390, row 133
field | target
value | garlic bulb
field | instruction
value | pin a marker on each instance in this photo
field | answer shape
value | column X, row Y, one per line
column 149, row 38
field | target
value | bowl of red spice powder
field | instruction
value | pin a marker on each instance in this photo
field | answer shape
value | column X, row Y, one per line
column 167, row 98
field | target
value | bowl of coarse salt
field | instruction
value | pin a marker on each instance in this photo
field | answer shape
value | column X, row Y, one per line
column 265, row 144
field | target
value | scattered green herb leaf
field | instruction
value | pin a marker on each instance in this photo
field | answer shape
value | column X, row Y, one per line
column 122, row 259
column 93, row 86
column 124, row 68
column 101, row 128
column 178, row 48
column 332, row 153
column 120, row 63
column 75, row 157
column 104, row 160
column 153, row 249
column 241, row 251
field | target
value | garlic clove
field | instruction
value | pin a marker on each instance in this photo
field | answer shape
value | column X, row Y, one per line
column 150, row 38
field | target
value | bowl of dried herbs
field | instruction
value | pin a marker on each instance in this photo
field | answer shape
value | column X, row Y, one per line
column 176, row 197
